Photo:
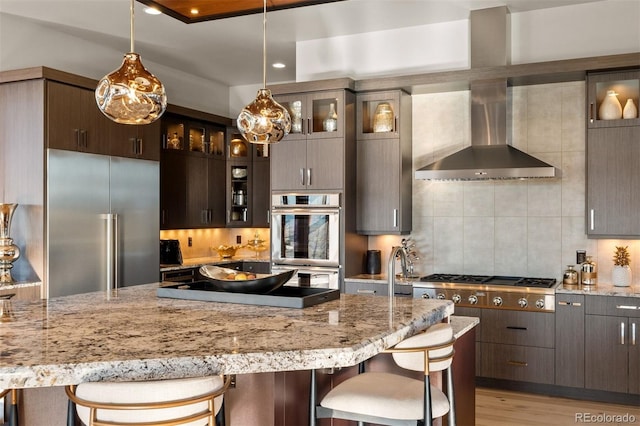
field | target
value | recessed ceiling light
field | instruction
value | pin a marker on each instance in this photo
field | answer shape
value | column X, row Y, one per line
column 152, row 11
column 278, row 65
column 194, row 11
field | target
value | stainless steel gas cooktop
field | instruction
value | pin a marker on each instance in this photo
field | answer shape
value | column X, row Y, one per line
column 490, row 291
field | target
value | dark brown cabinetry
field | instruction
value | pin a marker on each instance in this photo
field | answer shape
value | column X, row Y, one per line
column 192, row 173
column 517, row 346
column 570, row 340
column 612, row 344
column 384, row 182
column 312, row 156
column 613, row 152
column 80, row 126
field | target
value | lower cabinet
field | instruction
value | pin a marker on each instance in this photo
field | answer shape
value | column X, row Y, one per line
column 517, row 346
column 612, row 344
column 570, row 340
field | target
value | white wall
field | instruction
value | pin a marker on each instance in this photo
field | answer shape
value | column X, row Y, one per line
column 23, row 47
column 591, row 29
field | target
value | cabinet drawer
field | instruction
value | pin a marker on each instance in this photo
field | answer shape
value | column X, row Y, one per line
column 519, row 363
column 518, row 328
column 377, row 289
column 613, row 306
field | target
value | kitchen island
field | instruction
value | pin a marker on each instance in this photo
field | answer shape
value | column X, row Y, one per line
column 134, row 335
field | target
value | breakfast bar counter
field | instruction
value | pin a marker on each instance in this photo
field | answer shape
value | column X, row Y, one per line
column 132, row 334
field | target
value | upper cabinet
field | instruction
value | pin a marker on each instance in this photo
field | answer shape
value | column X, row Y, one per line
column 192, row 173
column 80, row 126
column 384, row 177
column 613, row 154
column 312, row 155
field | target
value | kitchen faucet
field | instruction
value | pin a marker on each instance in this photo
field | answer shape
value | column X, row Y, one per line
column 391, row 268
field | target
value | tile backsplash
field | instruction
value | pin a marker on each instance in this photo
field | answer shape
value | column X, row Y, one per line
column 204, row 241
column 512, row 227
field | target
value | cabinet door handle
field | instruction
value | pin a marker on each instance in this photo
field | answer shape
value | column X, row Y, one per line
column 269, row 216
column 163, row 216
column 83, row 138
column 633, row 334
column 134, row 145
column 395, row 125
column 518, row 363
column 365, row 291
column 309, row 129
column 76, row 133
column 309, row 176
column 591, row 112
column 301, row 176
column 629, row 307
column 563, row 303
column 139, row 146
column 622, row 332
column 395, row 218
column 513, row 327
column 592, row 221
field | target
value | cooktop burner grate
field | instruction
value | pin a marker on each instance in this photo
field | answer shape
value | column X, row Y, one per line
column 490, row 280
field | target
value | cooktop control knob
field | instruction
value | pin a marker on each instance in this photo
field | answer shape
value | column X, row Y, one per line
column 456, row 298
column 540, row 303
column 522, row 302
column 473, row 299
column 426, row 296
column 440, row 296
column 497, row 301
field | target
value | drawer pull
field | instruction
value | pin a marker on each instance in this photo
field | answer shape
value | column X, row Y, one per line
column 518, row 363
column 629, row 307
column 511, row 327
column 633, row 334
column 563, row 303
column 622, row 333
column 365, row 291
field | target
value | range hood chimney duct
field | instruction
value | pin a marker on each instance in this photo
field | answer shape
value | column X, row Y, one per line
column 490, row 156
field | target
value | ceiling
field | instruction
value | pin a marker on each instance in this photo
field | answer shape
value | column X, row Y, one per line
column 229, row 50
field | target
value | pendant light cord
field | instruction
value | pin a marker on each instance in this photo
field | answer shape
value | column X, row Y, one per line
column 264, row 45
column 131, row 28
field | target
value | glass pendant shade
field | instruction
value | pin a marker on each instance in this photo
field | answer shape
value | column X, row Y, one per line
column 131, row 94
column 264, row 120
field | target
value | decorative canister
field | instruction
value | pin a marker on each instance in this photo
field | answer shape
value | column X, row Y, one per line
column 610, row 108
column 9, row 252
column 630, row 110
column 588, row 273
column 383, row 118
column 330, row 124
column 570, row 276
column 296, row 117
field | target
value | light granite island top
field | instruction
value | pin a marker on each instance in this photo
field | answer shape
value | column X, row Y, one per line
column 135, row 335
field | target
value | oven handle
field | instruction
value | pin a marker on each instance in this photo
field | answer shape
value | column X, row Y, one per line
column 309, row 211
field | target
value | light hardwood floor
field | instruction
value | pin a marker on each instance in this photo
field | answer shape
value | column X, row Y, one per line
column 503, row 408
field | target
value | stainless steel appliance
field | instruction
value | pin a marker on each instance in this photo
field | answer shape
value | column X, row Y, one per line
column 489, row 292
column 305, row 235
column 102, row 222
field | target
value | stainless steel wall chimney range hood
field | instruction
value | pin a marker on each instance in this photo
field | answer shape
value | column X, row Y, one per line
column 489, row 156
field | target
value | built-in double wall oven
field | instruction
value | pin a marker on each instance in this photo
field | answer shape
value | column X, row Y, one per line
column 305, row 235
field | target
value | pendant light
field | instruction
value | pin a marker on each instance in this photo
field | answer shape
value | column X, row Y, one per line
column 131, row 94
column 264, row 120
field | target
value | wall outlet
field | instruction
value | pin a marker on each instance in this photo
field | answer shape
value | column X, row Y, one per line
column 238, row 239
column 190, row 242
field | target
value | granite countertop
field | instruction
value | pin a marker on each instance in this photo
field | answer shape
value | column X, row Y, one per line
column 197, row 262
column 134, row 335
column 602, row 289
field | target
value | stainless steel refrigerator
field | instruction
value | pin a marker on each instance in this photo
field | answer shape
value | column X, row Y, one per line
column 102, row 222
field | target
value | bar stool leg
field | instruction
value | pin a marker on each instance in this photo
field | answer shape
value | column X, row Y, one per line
column 220, row 420
column 13, row 408
column 71, row 413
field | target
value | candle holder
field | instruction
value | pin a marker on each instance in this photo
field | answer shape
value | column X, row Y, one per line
column 9, row 252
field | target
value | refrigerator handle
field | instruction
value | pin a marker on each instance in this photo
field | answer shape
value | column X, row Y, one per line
column 116, row 252
column 111, row 251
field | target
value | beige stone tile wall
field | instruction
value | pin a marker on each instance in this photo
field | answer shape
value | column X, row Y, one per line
column 525, row 228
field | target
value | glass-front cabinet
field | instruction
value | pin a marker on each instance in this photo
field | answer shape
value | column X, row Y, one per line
column 314, row 114
column 613, row 99
column 182, row 134
column 239, row 184
column 377, row 115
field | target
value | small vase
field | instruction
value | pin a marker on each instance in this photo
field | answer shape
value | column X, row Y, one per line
column 383, row 118
column 330, row 124
column 610, row 108
column 630, row 110
column 621, row 276
column 9, row 252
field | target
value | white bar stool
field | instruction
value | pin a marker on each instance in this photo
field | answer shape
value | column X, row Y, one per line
column 392, row 399
column 192, row 402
